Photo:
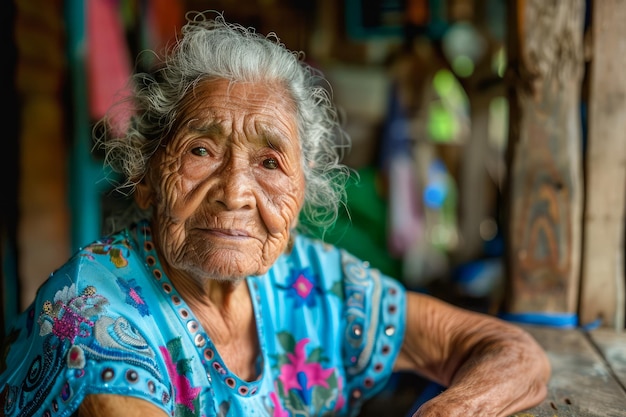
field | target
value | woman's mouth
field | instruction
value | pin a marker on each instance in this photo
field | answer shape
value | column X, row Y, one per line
column 228, row 232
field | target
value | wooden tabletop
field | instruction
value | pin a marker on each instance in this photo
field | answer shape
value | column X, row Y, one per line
column 588, row 373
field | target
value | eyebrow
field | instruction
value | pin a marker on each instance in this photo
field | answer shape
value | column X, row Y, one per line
column 195, row 125
column 268, row 135
column 274, row 138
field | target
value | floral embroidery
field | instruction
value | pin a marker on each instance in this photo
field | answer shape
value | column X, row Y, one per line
column 186, row 399
column 118, row 250
column 133, row 295
column 302, row 287
column 279, row 411
column 303, row 384
column 68, row 315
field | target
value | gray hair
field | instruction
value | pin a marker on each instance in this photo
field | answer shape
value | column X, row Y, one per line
column 212, row 48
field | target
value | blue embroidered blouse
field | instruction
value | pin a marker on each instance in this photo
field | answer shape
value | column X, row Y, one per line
column 110, row 321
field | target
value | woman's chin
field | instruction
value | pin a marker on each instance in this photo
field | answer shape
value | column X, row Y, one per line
column 230, row 271
column 232, row 280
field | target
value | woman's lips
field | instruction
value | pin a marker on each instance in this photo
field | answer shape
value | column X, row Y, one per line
column 228, row 232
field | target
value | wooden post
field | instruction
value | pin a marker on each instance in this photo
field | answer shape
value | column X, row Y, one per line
column 602, row 286
column 544, row 184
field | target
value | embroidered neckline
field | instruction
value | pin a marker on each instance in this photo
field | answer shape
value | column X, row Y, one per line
column 211, row 360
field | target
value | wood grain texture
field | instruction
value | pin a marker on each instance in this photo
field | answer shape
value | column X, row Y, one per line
column 602, row 279
column 544, row 196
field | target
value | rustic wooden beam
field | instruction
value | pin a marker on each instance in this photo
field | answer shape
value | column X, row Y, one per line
column 602, row 280
column 544, row 188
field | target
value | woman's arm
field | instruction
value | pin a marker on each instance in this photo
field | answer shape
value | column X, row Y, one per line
column 490, row 367
column 110, row 405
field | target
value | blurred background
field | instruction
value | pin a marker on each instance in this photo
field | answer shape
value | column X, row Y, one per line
column 404, row 74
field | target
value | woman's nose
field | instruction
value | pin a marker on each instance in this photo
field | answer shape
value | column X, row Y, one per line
column 235, row 186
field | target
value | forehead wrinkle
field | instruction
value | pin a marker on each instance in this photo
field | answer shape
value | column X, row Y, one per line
column 203, row 119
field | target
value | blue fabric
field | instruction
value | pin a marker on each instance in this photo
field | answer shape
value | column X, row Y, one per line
column 110, row 321
column 564, row 320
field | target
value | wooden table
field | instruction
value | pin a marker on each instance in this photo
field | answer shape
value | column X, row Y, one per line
column 588, row 373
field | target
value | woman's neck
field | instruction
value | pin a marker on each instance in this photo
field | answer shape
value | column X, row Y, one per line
column 226, row 313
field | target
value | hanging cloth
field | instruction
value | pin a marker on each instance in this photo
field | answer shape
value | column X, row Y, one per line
column 405, row 215
column 107, row 55
column 163, row 20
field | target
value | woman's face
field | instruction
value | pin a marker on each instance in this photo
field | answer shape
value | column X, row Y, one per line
column 228, row 187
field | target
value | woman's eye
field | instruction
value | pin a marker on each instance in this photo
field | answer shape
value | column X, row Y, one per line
column 270, row 163
column 200, row 151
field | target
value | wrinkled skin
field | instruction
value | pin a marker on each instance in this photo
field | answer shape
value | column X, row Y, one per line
column 228, row 187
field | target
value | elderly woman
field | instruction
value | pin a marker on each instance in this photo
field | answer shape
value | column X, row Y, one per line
column 213, row 304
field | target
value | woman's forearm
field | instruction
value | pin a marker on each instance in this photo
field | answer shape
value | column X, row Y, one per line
column 498, row 379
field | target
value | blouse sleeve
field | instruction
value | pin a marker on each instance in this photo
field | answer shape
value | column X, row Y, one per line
column 75, row 340
column 375, row 319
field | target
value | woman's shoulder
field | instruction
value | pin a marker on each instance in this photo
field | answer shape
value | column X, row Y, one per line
column 334, row 260
column 93, row 270
column 305, row 242
column 313, row 250
column 87, row 331
column 331, row 267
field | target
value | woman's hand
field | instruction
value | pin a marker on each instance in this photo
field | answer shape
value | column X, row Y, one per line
column 490, row 367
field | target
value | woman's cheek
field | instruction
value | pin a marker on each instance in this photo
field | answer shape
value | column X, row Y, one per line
column 192, row 171
column 287, row 200
column 177, row 198
column 194, row 168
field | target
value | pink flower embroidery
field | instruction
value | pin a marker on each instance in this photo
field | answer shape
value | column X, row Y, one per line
column 301, row 375
column 185, row 393
column 68, row 317
column 341, row 399
column 303, row 286
column 279, row 411
column 67, row 325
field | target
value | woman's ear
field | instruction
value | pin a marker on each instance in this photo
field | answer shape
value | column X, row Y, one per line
column 143, row 194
